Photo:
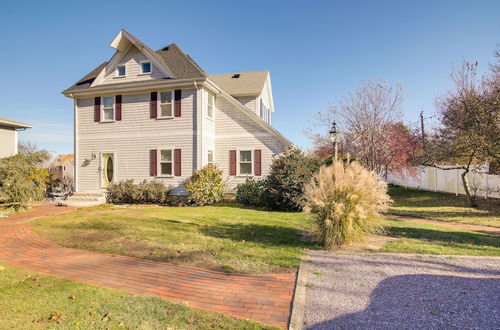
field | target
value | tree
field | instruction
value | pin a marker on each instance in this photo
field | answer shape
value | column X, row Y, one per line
column 373, row 132
column 469, row 130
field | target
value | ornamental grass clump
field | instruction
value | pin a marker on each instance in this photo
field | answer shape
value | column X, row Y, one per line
column 348, row 201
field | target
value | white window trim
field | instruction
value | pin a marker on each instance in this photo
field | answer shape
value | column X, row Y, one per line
column 213, row 108
column 238, row 162
column 158, row 163
column 158, row 105
column 103, row 120
column 145, row 73
column 213, row 156
column 117, row 75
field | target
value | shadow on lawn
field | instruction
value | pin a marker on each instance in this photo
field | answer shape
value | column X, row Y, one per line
column 478, row 239
column 427, row 302
column 269, row 235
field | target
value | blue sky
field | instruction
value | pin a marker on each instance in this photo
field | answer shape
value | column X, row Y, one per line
column 317, row 51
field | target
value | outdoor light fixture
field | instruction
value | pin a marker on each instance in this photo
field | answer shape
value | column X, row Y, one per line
column 334, row 135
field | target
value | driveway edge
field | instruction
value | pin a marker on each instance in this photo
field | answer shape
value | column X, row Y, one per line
column 299, row 295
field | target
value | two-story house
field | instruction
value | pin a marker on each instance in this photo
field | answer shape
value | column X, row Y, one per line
column 148, row 114
column 62, row 166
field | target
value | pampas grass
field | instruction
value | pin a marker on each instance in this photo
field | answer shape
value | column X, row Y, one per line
column 348, row 201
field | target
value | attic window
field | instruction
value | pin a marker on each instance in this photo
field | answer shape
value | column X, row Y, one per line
column 146, row 67
column 120, row 70
column 236, row 75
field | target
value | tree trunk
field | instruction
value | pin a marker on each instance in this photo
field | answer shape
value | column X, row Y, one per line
column 465, row 183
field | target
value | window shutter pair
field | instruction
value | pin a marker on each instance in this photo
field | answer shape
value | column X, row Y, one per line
column 153, row 104
column 153, row 162
column 97, row 108
column 257, row 162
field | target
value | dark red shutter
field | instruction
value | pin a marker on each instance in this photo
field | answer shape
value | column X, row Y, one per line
column 97, row 109
column 260, row 114
column 118, row 107
column 152, row 105
column 232, row 162
column 177, row 103
column 177, row 162
column 257, row 162
column 152, row 162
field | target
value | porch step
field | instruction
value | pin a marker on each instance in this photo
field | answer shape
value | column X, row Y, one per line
column 86, row 198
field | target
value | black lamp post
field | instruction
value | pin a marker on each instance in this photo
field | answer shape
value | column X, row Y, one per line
column 334, row 136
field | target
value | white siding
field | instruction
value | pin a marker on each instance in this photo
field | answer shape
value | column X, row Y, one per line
column 251, row 102
column 132, row 61
column 132, row 138
column 208, row 129
column 8, row 141
column 234, row 130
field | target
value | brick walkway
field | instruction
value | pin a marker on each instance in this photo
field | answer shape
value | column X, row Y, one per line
column 263, row 298
column 482, row 229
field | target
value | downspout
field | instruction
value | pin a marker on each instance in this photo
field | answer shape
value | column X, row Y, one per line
column 199, row 128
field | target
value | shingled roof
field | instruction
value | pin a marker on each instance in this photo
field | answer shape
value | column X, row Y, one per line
column 181, row 65
column 242, row 83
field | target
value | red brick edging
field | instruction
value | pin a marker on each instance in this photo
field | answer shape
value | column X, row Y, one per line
column 263, row 298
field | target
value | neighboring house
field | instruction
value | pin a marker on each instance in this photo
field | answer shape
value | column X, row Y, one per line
column 148, row 114
column 8, row 135
column 62, row 166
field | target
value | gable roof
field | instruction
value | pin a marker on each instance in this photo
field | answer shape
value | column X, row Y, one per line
column 241, row 83
column 171, row 57
column 4, row 121
column 63, row 158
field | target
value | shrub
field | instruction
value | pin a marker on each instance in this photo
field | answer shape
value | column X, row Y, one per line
column 153, row 192
column 347, row 201
column 126, row 192
column 287, row 178
column 252, row 192
column 63, row 185
column 22, row 179
column 206, row 186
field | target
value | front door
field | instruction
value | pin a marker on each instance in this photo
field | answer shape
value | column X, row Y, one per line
column 107, row 169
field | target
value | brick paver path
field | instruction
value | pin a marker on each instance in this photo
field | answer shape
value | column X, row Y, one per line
column 263, row 298
column 483, row 229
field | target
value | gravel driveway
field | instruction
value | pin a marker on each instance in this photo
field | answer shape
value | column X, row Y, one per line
column 396, row 291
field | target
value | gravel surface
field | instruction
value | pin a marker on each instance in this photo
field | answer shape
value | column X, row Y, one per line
column 396, row 291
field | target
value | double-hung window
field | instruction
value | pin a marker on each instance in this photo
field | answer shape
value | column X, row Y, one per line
column 166, row 162
column 210, row 157
column 211, row 106
column 166, row 105
column 108, row 108
column 245, row 162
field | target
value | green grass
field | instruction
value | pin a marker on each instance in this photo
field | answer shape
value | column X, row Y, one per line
column 417, row 237
column 225, row 238
column 445, row 207
column 28, row 301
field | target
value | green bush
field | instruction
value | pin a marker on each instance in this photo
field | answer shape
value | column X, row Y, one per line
column 287, row 178
column 22, row 178
column 206, row 186
column 126, row 192
column 252, row 192
column 347, row 200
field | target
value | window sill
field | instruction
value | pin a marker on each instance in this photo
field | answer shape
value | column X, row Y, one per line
column 107, row 121
column 144, row 74
column 164, row 118
column 165, row 176
column 245, row 176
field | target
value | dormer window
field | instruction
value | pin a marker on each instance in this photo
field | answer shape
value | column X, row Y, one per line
column 120, row 71
column 146, row 67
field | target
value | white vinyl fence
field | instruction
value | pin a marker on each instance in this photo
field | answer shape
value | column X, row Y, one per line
column 450, row 181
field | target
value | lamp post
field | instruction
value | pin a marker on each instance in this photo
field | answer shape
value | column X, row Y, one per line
column 334, row 136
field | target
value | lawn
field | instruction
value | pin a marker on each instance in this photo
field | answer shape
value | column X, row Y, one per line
column 224, row 238
column 29, row 300
column 445, row 207
column 417, row 237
